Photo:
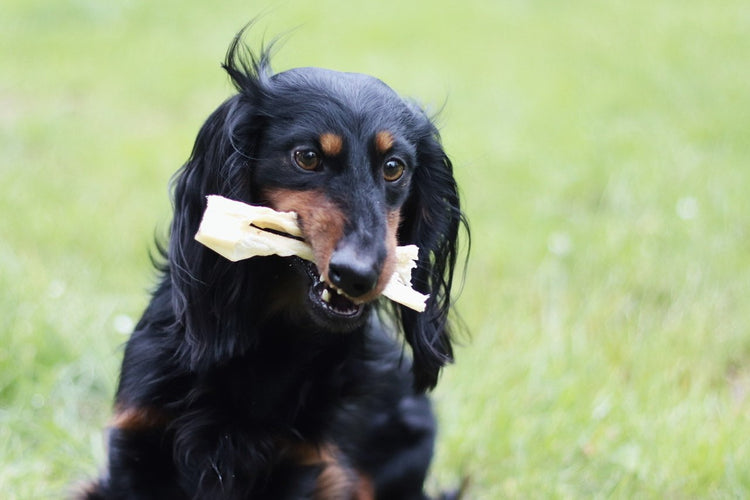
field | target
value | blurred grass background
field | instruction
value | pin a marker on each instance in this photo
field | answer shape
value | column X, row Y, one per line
column 602, row 148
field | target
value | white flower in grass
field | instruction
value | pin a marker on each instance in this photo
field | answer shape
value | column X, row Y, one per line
column 56, row 289
column 687, row 208
column 559, row 243
column 123, row 324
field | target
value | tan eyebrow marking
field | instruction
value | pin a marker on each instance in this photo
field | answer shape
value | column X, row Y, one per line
column 331, row 143
column 383, row 141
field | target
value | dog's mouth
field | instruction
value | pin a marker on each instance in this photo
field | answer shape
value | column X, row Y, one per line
column 333, row 300
column 328, row 302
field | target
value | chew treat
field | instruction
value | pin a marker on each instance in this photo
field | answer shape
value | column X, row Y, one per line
column 238, row 231
column 399, row 287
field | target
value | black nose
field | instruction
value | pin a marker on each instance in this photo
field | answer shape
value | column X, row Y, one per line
column 356, row 273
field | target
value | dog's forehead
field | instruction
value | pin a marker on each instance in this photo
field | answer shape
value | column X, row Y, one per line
column 354, row 94
column 341, row 84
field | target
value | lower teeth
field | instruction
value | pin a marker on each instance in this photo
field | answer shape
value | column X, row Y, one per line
column 326, row 295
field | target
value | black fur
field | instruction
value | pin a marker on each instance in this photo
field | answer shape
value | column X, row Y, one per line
column 231, row 373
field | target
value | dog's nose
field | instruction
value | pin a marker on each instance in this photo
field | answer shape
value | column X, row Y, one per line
column 354, row 273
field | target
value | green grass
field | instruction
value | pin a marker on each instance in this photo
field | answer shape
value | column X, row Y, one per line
column 602, row 149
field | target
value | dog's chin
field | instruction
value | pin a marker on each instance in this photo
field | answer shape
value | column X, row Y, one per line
column 328, row 309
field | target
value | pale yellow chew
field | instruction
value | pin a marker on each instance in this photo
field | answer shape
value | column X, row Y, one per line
column 399, row 287
column 235, row 230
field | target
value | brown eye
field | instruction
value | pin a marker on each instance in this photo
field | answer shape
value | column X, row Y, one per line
column 307, row 159
column 393, row 169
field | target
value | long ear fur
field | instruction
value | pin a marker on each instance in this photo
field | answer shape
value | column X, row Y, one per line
column 431, row 219
column 213, row 313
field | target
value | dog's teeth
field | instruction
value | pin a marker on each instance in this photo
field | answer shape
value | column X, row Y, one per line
column 326, row 295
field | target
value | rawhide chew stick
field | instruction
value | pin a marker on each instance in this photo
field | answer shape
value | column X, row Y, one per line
column 239, row 231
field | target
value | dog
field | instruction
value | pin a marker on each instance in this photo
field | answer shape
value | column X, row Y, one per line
column 276, row 378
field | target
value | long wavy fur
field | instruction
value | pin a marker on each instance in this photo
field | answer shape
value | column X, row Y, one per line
column 228, row 389
column 223, row 153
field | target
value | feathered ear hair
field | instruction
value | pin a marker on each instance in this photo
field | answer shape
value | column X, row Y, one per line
column 431, row 220
column 213, row 313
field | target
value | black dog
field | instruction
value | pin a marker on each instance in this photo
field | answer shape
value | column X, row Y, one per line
column 241, row 380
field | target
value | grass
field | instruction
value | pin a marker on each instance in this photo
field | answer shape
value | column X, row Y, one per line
column 602, row 152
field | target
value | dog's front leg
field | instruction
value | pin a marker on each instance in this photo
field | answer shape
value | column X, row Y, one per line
column 228, row 461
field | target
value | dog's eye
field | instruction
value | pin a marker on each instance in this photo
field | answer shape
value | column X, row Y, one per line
column 307, row 159
column 393, row 169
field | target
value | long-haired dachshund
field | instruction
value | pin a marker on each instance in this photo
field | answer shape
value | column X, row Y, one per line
column 257, row 379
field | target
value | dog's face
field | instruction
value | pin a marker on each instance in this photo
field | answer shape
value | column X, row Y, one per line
column 364, row 170
column 337, row 150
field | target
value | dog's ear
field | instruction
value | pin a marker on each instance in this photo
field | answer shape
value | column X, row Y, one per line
column 209, row 293
column 431, row 218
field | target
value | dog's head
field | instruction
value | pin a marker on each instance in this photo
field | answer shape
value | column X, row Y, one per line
column 365, row 172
